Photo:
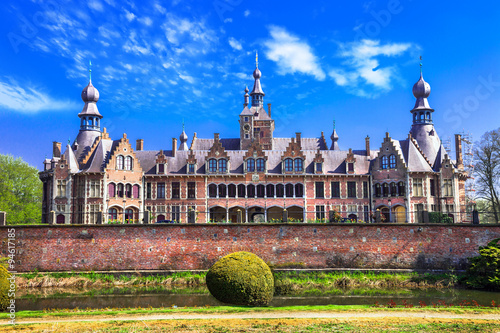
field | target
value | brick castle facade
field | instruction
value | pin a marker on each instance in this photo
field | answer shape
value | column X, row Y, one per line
column 253, row 178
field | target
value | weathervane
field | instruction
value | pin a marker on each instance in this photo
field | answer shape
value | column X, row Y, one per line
column 334, row 123
column 90, row 70
column 256, row 59
column 183, row 124
column 420, row 64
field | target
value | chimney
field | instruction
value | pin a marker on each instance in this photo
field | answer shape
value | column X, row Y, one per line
column 269, row 109
column 297, row 137
column 458, row 147
column 139, row 145
column 56, row 149
column 174, row 146
column 367, row 144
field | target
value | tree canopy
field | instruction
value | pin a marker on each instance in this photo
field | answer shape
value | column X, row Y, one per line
column 487, row 171
column 20, row 191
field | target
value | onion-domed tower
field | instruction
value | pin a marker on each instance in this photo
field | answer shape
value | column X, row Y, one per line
column 257, row 93
column 422, row 128
column 90, row 119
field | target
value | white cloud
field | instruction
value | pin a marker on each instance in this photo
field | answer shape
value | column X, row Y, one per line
column 130, row 16
column 362, row 66
column 228, row 20
column 108, row 33
column 291, row 54
column 246, row 13
column 134, row 46
column 96, row 5
column 191, row 37
column 187, row 78
column 146, row 21
column 29, row 100
column 235, row 44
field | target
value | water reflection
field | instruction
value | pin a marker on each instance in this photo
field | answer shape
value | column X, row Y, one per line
column 157, row 297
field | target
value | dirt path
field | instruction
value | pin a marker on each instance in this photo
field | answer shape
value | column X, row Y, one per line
column 268, row 315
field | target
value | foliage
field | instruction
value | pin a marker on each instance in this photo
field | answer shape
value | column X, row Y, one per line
column 438, row 217
column 241, row 278
column 20, row 191
column 484, row 270
column 487, row 170
column 4, row 286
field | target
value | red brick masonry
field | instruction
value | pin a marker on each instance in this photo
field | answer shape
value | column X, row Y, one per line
column 142, row 247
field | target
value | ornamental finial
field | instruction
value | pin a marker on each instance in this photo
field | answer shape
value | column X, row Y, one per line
column 183, row 124
column 334, row 123
column 420, row 64
column 256, row 59
column 90, row 70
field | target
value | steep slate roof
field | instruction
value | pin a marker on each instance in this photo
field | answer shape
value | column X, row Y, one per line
column 413, row 158
column 305, row 143
column 206, row 144
column 100, row 156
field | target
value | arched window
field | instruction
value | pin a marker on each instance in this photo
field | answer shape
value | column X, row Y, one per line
column 385, row 190
column 288, row 165
column 401, row 189
column 378, row 191
column 261, row 191
column 289, row 190
column 119, row 162
column 111, row 190
column 112, row 214
column 299, row 165
column 242, row 192
column 119, row 192
column 128, row 163
column 394, row 190
column 261, row 165
column 129, row 215
column 91, row 122
column 212, row 165
column 280, row 191
column 212, row 191
column 231, row 190
column 428, row 116
column 222, row 165
column 135, row 191
column 222, row 190
column 392, row 162
column 299, row 190
column 250, row 165
column 383, row 162
column 251, row 191
column 97, row 122
column 128, row 191
column 270, row 190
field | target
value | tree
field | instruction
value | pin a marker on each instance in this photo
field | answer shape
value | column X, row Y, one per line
column 487, row 170
column 20, row 191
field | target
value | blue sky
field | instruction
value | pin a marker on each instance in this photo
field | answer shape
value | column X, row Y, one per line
column 156, row 63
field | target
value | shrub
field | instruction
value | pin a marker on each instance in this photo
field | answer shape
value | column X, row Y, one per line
column 438, row 217
column 241, row 278
column 4, row 287
column 484, row 270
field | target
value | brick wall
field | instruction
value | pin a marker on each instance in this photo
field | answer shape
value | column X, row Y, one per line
column 142, row 247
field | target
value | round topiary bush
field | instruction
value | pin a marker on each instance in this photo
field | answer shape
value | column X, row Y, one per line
column 241, row 278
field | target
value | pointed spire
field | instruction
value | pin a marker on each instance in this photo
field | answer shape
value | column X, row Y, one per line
column 422, row 112
column 246, row 97
column 183, row 139
column 335, row 138
column 257, row 93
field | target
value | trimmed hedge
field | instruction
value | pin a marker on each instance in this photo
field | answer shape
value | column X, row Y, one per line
column 437, row 217
column 241, row 278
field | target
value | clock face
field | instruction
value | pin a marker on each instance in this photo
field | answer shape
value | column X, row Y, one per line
column 246, row 127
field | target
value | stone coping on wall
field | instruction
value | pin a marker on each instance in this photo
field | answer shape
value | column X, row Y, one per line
column 194, row 225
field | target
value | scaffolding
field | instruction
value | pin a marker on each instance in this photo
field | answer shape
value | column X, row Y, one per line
column 468, row 160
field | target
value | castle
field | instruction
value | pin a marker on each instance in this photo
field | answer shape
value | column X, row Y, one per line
column 254, row 178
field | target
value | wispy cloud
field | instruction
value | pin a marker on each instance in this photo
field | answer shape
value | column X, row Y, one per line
column 129, row 15
column 292, row 54
column 30, row 100
column 96, row 5
column 362, row 72
column 246, row 13
column 235, row 44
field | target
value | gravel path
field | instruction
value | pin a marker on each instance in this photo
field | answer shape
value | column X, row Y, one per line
column 269, row 315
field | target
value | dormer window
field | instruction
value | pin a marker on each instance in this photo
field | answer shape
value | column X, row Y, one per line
column 191, row 168
column 161, row 168
column 261, row 165
column 383, row 162
column 119, row 162
column 392, row 162
column 222, row 165
column 299, row 165
column 128, row 163
column 212, row 165
column 318, row 167
column 350, row 167
column 250, row 165
column 288, row 165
